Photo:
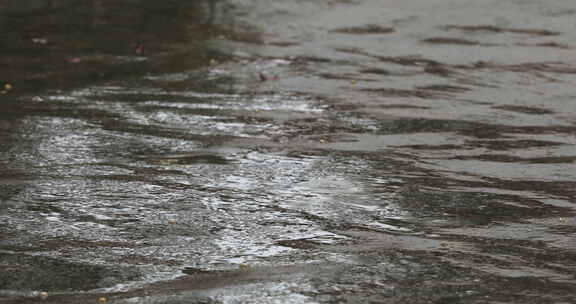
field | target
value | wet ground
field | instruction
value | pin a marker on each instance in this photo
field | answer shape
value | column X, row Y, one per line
column 257, row 151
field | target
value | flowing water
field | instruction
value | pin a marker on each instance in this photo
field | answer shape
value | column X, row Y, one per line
column 263, row 151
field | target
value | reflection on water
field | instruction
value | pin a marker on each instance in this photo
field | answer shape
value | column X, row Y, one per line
column 266, row 151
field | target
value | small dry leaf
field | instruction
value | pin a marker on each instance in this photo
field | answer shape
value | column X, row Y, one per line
column 243, row 267
column 43, row 295
column 102, row 300
column 139, row 49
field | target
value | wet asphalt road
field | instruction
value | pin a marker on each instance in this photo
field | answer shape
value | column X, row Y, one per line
column 251, row 151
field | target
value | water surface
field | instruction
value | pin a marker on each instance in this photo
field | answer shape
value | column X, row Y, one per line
column 241, row 151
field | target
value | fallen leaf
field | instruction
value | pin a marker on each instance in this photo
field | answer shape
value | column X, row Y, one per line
column 139, row 49
column 243, row 267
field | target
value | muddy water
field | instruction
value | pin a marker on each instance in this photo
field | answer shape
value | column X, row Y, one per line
column 251, row 151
